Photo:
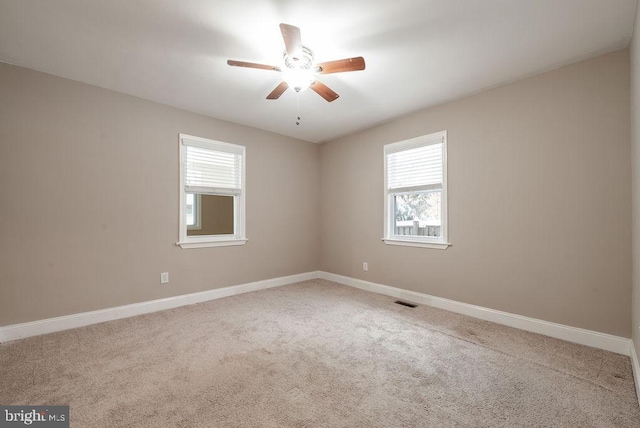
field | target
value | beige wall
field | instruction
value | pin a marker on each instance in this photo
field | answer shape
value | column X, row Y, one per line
column 89, row 201
column 92, row 176
column 539, row 199
column 635, row 160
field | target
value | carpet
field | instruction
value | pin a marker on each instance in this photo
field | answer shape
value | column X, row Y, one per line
column 316, row 354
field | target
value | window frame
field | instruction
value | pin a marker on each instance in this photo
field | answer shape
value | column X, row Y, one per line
column 197, row 212
column 389, row 236
column 239, row 201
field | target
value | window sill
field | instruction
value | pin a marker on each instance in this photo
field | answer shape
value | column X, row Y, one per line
column 422, row 244
column 205, row 244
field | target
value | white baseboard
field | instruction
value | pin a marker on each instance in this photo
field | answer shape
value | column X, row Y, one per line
column 572, row 334
column 635, row 365
column 35, row 328
column 619, row 345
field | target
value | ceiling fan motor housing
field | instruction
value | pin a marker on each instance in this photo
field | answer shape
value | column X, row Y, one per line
column 303, row 58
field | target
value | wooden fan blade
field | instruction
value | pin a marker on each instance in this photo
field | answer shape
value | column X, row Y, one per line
column 291, row 37
column 279, row 90
column 342, row 65
column 252, row 65
column 324, row 91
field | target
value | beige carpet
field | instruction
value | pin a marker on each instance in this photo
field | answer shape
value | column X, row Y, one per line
column 316, row 354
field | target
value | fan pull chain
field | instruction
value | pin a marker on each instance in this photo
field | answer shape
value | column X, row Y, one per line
column 298, row 108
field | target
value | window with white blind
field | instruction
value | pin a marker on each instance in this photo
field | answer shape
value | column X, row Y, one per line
column 212, row 193
column 415, row 211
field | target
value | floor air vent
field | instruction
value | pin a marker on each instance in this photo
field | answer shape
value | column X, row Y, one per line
column 407, row 304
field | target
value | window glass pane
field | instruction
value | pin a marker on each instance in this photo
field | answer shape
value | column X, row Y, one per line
column 213, row 215
column 418, row 213
column 191, row 210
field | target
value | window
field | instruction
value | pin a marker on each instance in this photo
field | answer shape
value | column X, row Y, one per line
column 212, row 193
column 415, row 211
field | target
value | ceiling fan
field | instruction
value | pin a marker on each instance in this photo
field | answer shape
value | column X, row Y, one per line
column 299, row 69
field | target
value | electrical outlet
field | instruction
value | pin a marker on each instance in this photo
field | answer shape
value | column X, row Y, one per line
column 365, row 266
column 164, row 277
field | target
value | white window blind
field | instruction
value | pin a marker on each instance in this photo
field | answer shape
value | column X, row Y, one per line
column 415, row 169
column 215, row 170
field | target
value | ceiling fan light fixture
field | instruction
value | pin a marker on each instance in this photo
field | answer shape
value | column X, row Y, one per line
column 298, row 79
column 298, row 68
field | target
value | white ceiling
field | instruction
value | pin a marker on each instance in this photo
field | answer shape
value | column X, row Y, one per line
column 419, row 53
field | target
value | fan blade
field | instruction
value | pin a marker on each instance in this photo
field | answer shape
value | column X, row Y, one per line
column 279, row 90
column 291, row 37
column 252, row 65
column 324, row 91
column 341, row 65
